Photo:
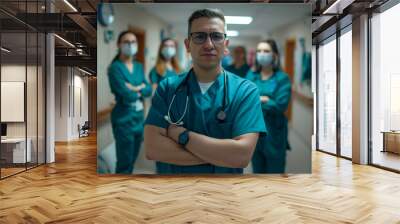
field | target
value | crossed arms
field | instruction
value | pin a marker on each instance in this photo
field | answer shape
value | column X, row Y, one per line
column 161, row 145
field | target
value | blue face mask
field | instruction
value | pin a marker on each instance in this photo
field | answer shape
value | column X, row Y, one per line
column 168, row 52
column 264, row 59
column 129, row 49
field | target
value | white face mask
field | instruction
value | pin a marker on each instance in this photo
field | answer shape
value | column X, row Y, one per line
column 129, row 49
column 168, row 52
column 264, row 59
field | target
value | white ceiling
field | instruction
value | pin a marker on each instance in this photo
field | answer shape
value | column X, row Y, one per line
column 266, row 17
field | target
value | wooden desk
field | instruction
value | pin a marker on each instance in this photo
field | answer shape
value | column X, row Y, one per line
column 391, row 141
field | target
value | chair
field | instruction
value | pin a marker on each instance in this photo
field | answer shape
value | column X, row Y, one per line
column 84, row 130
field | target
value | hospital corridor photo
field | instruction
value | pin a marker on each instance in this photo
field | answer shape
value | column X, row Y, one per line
column 180, row 111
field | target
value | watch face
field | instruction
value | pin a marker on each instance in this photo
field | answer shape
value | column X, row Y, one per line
column 183, row 138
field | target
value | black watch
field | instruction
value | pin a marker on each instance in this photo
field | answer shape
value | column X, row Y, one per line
column 183, row 138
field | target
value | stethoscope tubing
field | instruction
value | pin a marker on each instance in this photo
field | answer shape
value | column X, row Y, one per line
column 179, row 122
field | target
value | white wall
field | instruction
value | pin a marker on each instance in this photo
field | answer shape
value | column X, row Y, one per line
column 302, row 28
column 69, row 79
column 80, row 83
column 12, row 73
column 126, row 15
column 61, row 103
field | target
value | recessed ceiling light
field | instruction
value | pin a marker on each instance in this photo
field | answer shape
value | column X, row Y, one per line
column 70, row 5
column 64, row 40
column 5, row 50
column 335, row 7
column 84, row 71
column 232, row 33
column 238, row 19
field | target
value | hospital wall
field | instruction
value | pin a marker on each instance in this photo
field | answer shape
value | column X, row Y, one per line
column 301, row 125
column 126, row 15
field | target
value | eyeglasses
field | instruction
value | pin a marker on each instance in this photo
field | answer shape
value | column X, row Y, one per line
column 201, row 37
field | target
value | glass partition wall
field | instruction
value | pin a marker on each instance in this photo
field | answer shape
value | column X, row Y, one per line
column 22, row 76
column 334, row 94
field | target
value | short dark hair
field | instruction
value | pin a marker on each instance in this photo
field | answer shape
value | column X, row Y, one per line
column 208, row 13
column 122, row 34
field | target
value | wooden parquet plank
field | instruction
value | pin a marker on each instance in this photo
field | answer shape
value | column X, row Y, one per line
column 70, row 191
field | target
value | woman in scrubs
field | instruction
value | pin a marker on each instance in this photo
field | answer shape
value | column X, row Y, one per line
column 167, row 63
column 275, row 92
column 127, row 83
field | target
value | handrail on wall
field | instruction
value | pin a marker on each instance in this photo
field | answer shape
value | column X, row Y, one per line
column 104, row 114
column 308, row 101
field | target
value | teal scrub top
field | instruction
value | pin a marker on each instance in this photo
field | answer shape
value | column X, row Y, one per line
column 156, row 78
column 125, row 111
column 243, row 112
column 242, row 71
column 278, row 89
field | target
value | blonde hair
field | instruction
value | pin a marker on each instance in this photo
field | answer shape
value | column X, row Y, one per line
column 161, row 61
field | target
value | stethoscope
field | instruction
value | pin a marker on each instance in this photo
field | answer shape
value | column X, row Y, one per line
column 221, row 115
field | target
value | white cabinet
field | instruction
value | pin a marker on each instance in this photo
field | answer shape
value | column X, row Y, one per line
column 18, row 149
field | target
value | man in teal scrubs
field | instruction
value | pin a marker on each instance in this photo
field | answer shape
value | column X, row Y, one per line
column 206, row 120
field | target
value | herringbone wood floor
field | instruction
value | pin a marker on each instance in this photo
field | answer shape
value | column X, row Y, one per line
column 70, row 191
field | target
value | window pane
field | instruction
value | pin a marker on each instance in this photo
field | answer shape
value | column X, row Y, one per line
column 386, row 89
column 327, row 97
column 346, row 94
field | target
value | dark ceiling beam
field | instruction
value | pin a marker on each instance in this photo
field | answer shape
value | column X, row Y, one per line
column 86, row 27
column 45, row 22
column 91, row 5
column 14, row 17
column 53, row 22
column 79, row 61
column 80, row 20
